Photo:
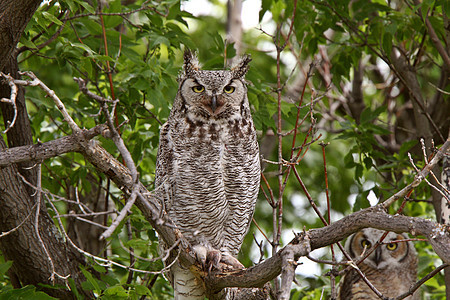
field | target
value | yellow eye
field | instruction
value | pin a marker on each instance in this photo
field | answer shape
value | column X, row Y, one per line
column 198, row 88
column 228, row 89
column 366, row 243
column 392, row 246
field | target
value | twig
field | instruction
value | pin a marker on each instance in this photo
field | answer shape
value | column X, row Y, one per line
column 419, row 177
column 11, row 100
column 3, row 234
column 121, row 216
column 144, row 6
column 422, row 281
column 260, row 230
column 36, row 227
column 59, row 104
column 107, row 262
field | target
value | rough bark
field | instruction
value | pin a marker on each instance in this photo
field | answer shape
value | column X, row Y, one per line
column 24, row 246
column 30, row 262
column 14, row 17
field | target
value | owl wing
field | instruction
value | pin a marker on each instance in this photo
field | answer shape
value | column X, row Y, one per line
column 164, row 168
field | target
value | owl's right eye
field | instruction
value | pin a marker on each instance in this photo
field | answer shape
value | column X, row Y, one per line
column 366, row 243
column 198, row 88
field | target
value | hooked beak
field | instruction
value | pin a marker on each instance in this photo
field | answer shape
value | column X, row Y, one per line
column 377, row 258
column 214, row 103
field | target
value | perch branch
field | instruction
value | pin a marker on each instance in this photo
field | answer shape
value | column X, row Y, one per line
column 376, row 217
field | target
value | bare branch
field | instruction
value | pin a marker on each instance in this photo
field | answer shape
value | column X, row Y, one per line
column 11, row 100
column 376, row 217
column 420, row 176
column 42, row 151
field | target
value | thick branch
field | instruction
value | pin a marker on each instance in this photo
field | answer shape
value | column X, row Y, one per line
column 38, row 152
column 376, row 217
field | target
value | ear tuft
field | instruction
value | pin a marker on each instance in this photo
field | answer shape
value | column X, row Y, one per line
column 191, row 64
column 241, row 67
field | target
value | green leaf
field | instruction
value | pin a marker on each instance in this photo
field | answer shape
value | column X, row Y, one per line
column 277, row 9
column 361, row 201
column 91, row 280
column 142, row 290
column 28, row 43
column 88, row 7
column 117, row 290
column 51, row 18
column 348, row 160
column 26, row 293
column 387, row 43
column 406, row 146
column 358, row 172
column 4, row 267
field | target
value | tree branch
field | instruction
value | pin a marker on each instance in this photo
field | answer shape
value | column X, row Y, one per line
column 376, row 217
column 42, row 151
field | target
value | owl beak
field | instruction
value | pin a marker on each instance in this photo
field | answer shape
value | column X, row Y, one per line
column 214, row 103
column 377, row 258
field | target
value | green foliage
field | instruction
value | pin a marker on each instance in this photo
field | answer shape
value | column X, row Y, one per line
column 26, row 293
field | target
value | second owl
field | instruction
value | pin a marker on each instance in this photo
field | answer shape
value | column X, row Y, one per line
column 391, row 268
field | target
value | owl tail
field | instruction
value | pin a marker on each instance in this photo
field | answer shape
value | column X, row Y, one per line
column 186, row 286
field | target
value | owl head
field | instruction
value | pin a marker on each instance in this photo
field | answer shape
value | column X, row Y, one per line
column 388, row 255
column 211, row 95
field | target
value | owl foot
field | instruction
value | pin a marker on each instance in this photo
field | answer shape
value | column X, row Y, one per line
column 213, row 259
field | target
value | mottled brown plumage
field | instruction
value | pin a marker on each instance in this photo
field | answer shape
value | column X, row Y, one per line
column 208, row 168
column 391, row 268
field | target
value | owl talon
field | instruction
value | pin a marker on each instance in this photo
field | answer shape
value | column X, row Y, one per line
column 213, row 259
column 231, row 261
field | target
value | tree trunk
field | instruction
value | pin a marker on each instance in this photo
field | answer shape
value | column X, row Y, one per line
column 35, row 256
column 31, row 264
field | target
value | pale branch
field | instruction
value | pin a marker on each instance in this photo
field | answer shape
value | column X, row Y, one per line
column 375, row 217
column 288, row 266
column 11, row 100
column 420, row 175
column 115, row 136
column 59, row 104
column 97, row 259
column 126, row 156
column 38, row 234
column 5, row 233
column 41, row 151
column 123, row 213
column 150, row 207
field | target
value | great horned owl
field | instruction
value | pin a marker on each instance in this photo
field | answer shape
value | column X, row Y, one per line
column 208, row 169
column 391, row 268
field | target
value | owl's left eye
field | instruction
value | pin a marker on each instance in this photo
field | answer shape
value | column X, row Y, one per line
column 392, row 246
column 228, row 89
column 366, row 244
column 198, row 88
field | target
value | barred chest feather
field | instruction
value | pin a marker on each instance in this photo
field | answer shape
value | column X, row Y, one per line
column 216, row 180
